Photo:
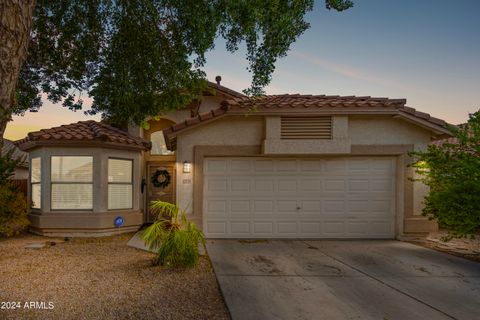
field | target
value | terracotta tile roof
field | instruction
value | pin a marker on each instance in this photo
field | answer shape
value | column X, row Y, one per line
column 314, row 101
column 17, row 154
column 309, row 104
column 83, row 132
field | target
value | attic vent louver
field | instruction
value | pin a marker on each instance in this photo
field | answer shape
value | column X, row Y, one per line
column 306, row 128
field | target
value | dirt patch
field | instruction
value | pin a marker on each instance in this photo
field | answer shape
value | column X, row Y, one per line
column 465, row 248
column 253, row 241
column 102, row 278
column 264, row 264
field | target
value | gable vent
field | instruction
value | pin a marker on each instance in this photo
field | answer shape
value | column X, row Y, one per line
column 306, row 128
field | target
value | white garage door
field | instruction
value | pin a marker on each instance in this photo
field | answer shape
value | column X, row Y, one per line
column 299, row 198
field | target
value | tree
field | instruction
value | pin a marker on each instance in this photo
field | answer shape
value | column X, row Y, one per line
column 136, row 58
column 451, row 169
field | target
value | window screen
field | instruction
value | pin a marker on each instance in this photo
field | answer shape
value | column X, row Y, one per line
column 120, row 184
column 35, row 180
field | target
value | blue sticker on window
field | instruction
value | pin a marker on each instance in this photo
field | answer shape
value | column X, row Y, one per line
column 118, row 222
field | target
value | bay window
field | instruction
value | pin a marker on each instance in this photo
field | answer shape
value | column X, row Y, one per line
column 120, row 184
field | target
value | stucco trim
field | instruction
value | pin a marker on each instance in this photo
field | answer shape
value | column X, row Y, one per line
column 74, row 220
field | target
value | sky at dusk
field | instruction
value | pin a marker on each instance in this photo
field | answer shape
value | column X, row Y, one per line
column 427, row 51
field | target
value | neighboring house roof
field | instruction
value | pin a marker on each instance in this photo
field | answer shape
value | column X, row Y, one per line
column 226, row 91
column 83, row 133
column 310, row 105
column 9, row 146
column 441, row 142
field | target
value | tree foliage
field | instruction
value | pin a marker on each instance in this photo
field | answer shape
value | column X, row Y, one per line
column 140, row 58
column 452, row 171
column 13, row 211
column 7, row 167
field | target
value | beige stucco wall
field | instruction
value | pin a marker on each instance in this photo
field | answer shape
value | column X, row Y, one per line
column 368, row 135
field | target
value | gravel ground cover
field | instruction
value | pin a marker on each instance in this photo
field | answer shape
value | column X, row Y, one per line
column 101, row 278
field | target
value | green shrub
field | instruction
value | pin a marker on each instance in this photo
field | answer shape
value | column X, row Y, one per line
column 175, row 239
column 13, row 211
column 7, row 167
column 452, row 171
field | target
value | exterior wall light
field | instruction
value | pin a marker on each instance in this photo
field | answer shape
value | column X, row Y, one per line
column 187, row 167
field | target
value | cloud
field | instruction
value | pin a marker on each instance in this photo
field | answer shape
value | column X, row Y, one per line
column 348, row 71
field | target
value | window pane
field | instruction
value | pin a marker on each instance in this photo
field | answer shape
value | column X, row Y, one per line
column 72, row 196
column 158, row 144
column 72, row 169
column 36, row 166
column 119, row 170
column 36, row 196
column 119, row 196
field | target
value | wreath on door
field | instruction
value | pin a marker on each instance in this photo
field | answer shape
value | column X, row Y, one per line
column 161, row 178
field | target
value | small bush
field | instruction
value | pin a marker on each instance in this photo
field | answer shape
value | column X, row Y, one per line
column 13, row 211
column 175, row 239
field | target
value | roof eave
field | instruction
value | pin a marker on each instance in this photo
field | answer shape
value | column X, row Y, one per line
column 437, row 129
column 29, row 145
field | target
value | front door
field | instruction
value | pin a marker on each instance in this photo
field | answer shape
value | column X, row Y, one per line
column 155, row 191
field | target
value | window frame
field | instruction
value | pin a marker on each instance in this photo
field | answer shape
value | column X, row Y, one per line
column 71, row 182
column 39, row 182
column 120, row 183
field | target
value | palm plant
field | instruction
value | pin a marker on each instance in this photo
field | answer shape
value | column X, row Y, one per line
column 175, row 239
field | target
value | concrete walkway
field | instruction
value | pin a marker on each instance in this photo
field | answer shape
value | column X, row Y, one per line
column 375, row 279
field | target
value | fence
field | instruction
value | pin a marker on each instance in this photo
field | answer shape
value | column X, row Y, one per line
column 21, row 184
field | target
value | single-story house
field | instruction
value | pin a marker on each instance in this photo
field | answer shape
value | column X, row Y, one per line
column 276, row 166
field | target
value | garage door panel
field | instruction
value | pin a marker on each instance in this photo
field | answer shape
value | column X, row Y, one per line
column 240, row 165
column 263, row 227
column 263, row 165
column 312, row 228
column 287, row 165
column 335, row 185
column 310, row 184
column 358, row 227
column 240, row 185
column 287, row 185
column 295, row 198
column 216, row 184
column 240, row 206
column 332, row 228
column 266, row 185
column 287, row 228
column 384, row 185
column 335, row 165
column 216, row 165
column 310, row 166
column 287, row 206
column 355, row 165
column 240, row 227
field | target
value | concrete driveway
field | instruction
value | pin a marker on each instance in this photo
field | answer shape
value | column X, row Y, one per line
column 374, row 279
